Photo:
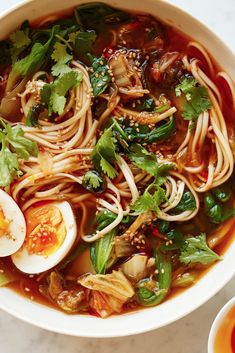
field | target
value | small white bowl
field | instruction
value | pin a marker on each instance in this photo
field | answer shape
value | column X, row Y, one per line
column 218, row 322
column 178, row 306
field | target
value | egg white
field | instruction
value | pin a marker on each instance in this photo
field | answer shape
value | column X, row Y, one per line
column 17, row 227
column 34, row 263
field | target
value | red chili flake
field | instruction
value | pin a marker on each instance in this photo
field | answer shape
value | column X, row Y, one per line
column 156, row 232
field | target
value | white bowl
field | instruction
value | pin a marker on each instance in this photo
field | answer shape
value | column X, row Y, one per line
column 217, row 323
column 189, row 300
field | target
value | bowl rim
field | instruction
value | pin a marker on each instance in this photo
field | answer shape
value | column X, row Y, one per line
column 217, row 322
column 146, row 327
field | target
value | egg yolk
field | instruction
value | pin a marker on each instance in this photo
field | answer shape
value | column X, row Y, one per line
column 4, row 224
column 46, row 230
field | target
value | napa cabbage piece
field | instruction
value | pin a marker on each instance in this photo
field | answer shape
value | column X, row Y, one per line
column 136, row 268
column 115, row 284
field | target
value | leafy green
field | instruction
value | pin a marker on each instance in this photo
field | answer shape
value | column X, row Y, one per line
column 13, row 146
column 146, row 104
column 33, row 114
column 100, row 77
column 53, row 95
column 150, row 200
column 20, row 41
column 186, row 203
column 222, row 193
column 62, row 58
column 185, row 86
column 196, row 250
column 96, row 14
column 101, row 251
column 175, row 240
column 94, row 182
column 197, row 100
column 83, row 43
column 104, row 154
column 143, row 134
column 215, row 210
column 143, row 159
column 32, row 62
column 148, row 296
column 162, row 226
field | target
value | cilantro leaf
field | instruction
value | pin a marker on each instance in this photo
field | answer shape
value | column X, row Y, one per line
column 199, row 103
column 185, row 86
column 150, row 201
column 196, row 250
column 93, row 179
column 53, row 95
column 62, row 58
column 32, row 62
column 100, row 78
column 20, row 41
column 13, row 146
column 143, row 159
column 196, row 98
column 23, row 147
column 104, row 153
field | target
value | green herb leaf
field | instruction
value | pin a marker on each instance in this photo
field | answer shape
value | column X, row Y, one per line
column 101, row 251
column 199, row 103
column 53, row 95
column 33, row 114
column 175, row 240
column 94, row 182
column 83, row 43
column 31, row 63
column 185, row 86
column 100, row 78
column 143, row 134
column 196, row 250
column 104, row 154
column 143, row 159
column 20, row 41
column 186, row 203
column 96, row 14
column 13, row 146
column 62, row 58
column 150, row 201
column 197, row 99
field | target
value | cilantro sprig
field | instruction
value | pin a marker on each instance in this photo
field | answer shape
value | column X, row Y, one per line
column 196, row 250
column 61, row 58
column 196, row 98
column 14, row 146
column 53, row 95
column 104, row 154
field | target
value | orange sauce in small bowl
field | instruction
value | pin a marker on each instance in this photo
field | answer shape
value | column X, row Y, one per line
column 224, row 341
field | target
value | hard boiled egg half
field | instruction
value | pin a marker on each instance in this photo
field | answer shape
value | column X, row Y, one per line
column 51, row 232
column 12, row 225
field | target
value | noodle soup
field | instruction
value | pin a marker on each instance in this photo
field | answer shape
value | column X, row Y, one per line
column 119, row 153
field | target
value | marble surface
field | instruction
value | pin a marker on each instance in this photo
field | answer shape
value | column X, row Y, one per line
column 188, row 335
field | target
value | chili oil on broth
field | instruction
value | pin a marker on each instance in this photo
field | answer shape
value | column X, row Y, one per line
column 176, row 41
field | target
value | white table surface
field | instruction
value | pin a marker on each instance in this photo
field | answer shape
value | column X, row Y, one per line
column 188, row 335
